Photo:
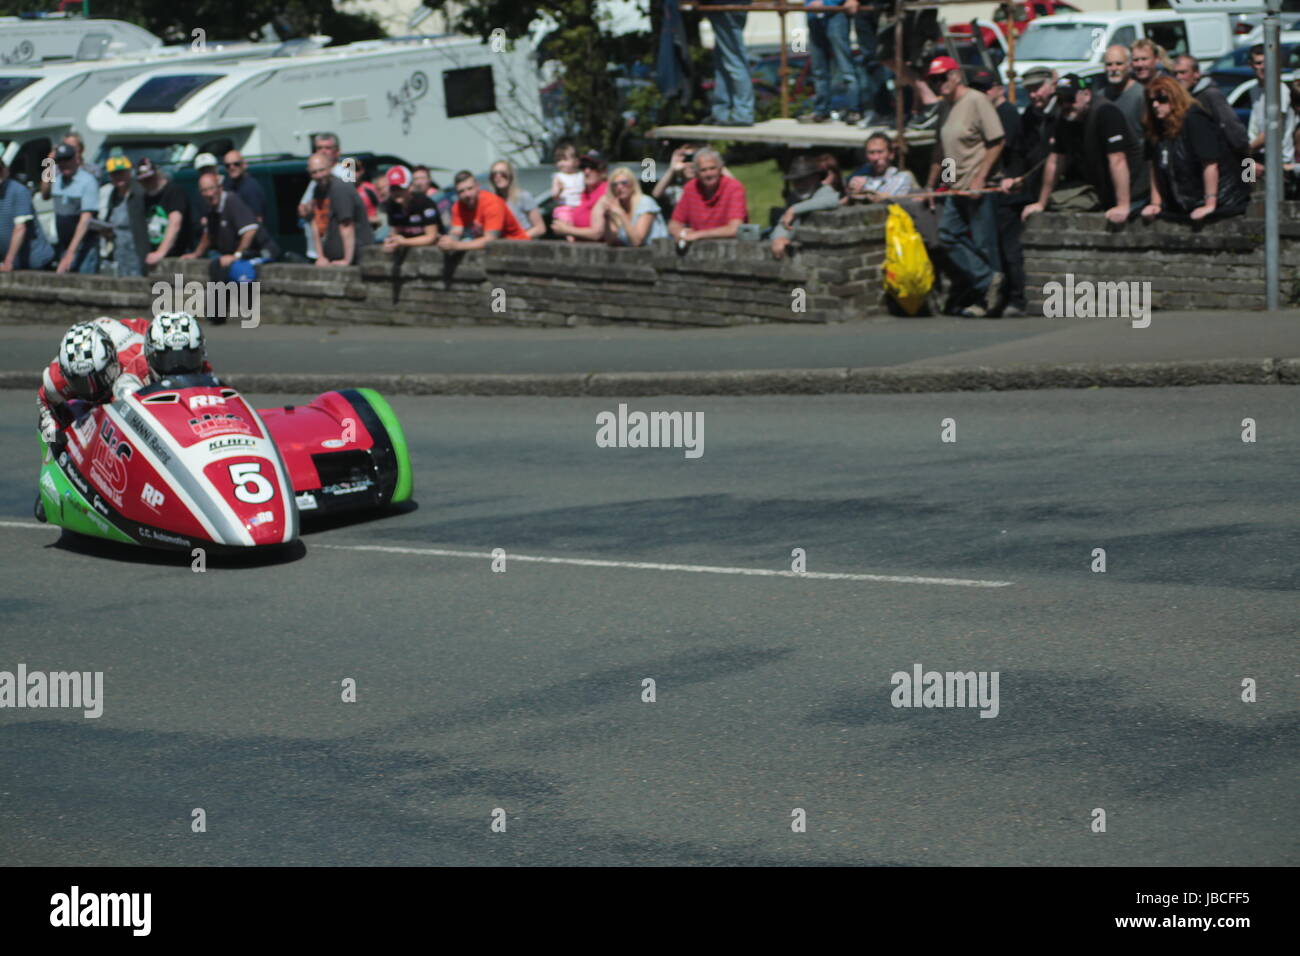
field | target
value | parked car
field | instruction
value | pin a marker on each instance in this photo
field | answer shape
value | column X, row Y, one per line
column 1248, row 28
column 1023, row 13
column 1240, row 98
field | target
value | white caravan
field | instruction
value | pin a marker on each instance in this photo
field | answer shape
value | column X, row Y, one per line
column 39, row 105
column 33, row 41
column 450, row 102
column 1077, row 42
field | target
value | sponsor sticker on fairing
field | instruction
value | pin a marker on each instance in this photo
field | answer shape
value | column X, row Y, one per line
column 48, row 486
column 152, row 496
column 348, row 487
column 74, row 476
column 108, row 466
column 210, row 424
column 228, row 444
column 164, row 537
column 85, row 429
column 95, row 519
column 306, row 501
column 144, row 431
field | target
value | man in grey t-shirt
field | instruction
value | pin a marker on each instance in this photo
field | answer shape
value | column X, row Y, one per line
column 338, row 219
column 1123, row 90
column 327, row 143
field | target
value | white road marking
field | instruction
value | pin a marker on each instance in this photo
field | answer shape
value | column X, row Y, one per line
column 655, row 566
column 640, row 565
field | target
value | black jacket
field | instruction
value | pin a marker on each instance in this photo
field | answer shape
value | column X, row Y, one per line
column 1208, row 94
column 1036, row 128
column 1181, row 160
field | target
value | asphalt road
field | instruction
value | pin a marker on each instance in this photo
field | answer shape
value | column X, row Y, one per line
column 360, row 350
column 523, row 690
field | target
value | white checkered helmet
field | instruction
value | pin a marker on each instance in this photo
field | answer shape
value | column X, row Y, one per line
column 174, row 344
column 88, row 361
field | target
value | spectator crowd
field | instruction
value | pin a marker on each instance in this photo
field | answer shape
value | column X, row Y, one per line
column 1150, row 138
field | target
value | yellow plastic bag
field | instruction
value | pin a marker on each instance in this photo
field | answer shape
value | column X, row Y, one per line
column 909, row 276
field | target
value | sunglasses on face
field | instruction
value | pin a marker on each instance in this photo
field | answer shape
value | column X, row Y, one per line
column 234, row 164
column 1160, row 98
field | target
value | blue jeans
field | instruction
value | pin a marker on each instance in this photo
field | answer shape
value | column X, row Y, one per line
column 84, row 261
column 828, row 42
column 733, row 88
column 968, row 229
column 869, row 86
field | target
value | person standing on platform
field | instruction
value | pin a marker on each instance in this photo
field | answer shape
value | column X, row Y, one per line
column 733, row 87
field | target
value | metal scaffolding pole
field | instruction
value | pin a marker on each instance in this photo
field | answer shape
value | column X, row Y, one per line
column 1272, row 157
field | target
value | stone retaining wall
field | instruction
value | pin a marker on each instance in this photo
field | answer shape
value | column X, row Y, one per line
column 835, row 276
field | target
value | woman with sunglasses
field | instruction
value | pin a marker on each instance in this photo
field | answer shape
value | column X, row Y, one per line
column 520, row 201
column 1194, row 176
column 631, row 217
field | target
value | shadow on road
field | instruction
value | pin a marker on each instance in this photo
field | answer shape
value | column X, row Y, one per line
column 215, row 555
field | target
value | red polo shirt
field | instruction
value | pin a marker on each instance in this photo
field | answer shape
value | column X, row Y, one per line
column 727, row 203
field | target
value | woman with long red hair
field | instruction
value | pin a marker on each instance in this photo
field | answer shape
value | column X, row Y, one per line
column 1194, row 175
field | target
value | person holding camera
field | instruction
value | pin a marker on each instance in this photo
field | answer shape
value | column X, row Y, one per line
column 681, row 170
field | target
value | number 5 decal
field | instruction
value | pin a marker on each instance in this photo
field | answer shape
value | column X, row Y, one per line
column 250, row 484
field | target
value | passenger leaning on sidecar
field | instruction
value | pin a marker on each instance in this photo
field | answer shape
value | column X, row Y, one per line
column 105, row 359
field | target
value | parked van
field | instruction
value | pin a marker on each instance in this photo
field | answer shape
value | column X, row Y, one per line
column 449, row 100
column 31, row 41
column 39, row 105
column 1077, row 42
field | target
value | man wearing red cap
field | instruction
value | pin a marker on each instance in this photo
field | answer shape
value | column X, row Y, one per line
column 412, row 216
column 970, row 142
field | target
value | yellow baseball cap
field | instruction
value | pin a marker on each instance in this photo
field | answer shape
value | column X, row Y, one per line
column 115, row 163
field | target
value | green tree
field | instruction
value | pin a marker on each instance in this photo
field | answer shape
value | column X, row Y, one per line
column 582, row 44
